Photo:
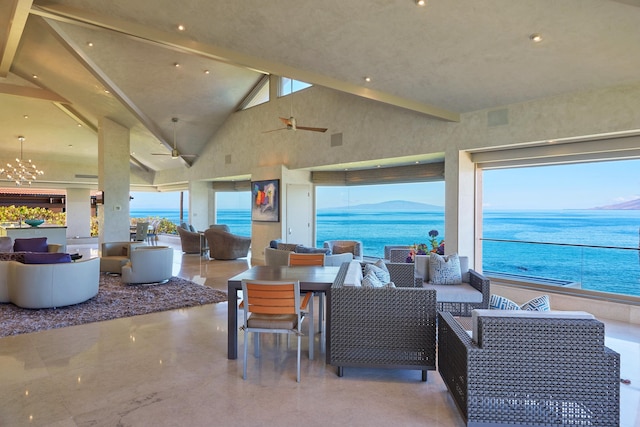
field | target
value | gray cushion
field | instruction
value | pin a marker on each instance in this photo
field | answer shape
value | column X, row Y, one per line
column 301, row 249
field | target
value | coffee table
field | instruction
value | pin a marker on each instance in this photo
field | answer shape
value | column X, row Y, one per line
column 312, row 279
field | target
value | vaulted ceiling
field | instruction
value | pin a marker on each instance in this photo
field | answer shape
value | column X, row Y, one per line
column 66, row 63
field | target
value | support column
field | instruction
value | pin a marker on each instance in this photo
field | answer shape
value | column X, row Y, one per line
column 460, row 205
column 199, row 204
column 113, row 180
column 78, row 212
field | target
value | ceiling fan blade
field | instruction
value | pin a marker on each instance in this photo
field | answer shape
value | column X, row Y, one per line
column 160, row 154
column 273, row 130
column 188, row 155
column 311, row 129
column 287, row 122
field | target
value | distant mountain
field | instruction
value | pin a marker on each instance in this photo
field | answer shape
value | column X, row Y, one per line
column 630, row 205
column 395, row 205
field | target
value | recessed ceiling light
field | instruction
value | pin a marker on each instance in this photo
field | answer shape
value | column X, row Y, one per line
column 177, row 65
column 367, row 79
column 535, row 37
column 90, row 44
column 35, row 76
column 106, row 91
column 181, row 27
column 421, row 2
column 26, row 116
column 206, row 71
column 79, row 125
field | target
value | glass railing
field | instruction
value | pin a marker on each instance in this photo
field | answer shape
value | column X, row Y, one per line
column 609, row 269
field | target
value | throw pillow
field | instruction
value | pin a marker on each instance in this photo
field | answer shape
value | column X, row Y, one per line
column 35, row 244
column 274, row 244
column 381, row 273
column 301, row 249
column 445, row 270
column 497, row 302
column 370, row 280
column 12, row 256
column 287, row 246
column 46, row 258
column 343, row 249
column 540, row 303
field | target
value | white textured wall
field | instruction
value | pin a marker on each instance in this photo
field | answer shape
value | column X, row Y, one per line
column 113, row 179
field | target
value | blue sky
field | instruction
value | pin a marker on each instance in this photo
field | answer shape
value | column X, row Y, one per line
column 578, row 186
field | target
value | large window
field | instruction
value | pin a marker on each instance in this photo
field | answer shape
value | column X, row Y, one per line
column 379, row 215
column 234, row 210
column 289, row 86
column 574, row 225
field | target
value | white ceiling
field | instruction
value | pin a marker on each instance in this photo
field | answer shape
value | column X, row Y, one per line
column 444, row 59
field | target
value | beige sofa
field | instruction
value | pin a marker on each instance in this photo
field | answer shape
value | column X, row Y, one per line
column 114, row 255
column 50, row 285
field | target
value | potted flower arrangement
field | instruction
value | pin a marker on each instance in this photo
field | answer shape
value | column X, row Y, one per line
column 425, row 248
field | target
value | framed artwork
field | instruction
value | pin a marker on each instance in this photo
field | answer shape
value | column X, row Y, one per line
column 265, row 203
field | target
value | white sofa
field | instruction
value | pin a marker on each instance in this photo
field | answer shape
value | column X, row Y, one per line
column 148, row 264
column 49, row 285
column 281, row 257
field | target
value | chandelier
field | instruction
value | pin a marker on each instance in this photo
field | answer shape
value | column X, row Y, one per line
column 23, row 172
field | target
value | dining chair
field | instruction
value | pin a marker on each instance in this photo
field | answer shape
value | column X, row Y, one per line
column 142, row 228
column 307, row 260
column 296, row 259
column 152, row 234
column 274, row 307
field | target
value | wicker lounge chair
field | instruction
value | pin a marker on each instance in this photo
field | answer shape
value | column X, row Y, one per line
column 536, row 369
column 381, row 327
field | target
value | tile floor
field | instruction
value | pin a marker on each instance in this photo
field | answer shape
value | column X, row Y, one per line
column 171, row 369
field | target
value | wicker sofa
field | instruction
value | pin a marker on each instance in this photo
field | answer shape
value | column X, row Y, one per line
column 530, row 368
column 392, row 328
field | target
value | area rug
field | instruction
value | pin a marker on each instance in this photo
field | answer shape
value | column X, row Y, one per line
column 114, row 300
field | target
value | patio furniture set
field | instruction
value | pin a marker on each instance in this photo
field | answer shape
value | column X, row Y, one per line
column 510, row 369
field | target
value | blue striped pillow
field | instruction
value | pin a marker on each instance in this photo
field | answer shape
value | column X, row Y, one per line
column 537, row 304
column 496, row 302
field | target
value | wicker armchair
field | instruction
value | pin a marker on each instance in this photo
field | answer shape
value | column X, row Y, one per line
column 381, row 327
column 533, row 370
column 224, row 245
column 192, row 242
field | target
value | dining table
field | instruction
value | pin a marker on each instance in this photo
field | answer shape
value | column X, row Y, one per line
column 316, row 279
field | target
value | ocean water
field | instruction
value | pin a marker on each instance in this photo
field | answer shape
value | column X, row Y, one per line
column 613, row 267
column 172, row 215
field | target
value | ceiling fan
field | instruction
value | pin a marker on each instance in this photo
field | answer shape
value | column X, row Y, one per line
column 290, row 123
column 175, row 154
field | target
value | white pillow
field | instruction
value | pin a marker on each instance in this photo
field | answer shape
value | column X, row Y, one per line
column 381, row 272
column 444, row 270
column 371, row 281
